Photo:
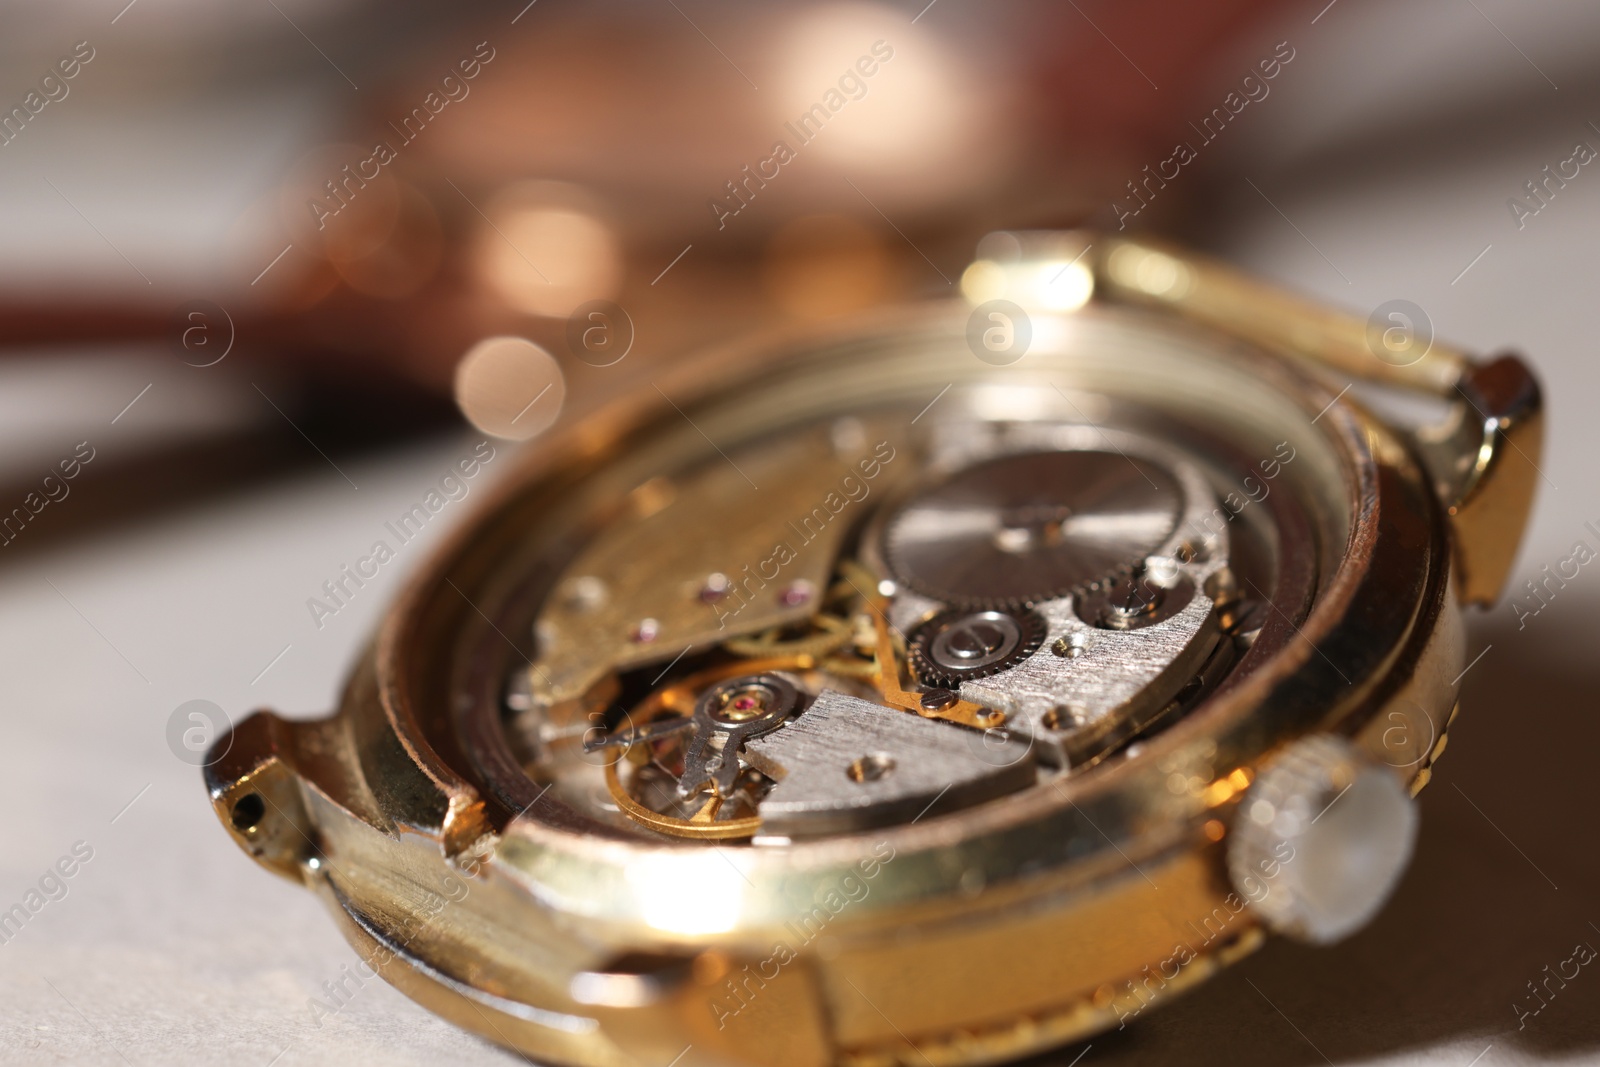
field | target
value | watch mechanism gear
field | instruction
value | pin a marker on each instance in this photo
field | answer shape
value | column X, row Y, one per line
column 957, row 646
column 889, row 687
column 1018, row 529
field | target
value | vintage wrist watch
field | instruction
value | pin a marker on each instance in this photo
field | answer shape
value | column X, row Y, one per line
column 932, row 692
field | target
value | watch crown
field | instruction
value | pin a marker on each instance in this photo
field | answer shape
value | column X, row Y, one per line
column 1320, row 840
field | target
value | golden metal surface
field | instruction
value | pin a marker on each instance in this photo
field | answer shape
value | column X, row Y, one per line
column 1486, row 462
column 979, row 937
column 1484, row 456
column 679, row 699
column 702, row 826
column 638, row 591
column 1235, row 303
column 889, row 678
column 832, row 633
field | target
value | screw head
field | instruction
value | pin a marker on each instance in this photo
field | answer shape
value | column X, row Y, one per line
column 1131, row 599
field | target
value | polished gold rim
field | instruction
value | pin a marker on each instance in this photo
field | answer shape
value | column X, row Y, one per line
column 558, row 903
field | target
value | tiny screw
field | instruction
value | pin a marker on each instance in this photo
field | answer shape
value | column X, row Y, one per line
column 1137, row 597
column 1070, row 646
column 938, row 699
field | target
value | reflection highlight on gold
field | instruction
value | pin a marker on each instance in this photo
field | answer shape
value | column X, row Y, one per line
column 1049, row 285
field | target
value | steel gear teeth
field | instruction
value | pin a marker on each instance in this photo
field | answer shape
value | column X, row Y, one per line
column 1018, row 605
column 983, row 637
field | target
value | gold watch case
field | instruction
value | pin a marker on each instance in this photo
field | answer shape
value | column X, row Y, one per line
column 500, row 877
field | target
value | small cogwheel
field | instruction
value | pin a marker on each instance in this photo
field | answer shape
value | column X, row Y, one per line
column 958, row 646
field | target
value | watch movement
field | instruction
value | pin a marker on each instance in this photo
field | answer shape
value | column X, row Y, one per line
column 932, row 690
